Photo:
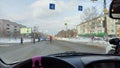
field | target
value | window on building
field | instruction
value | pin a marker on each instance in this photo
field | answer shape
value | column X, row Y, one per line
column 99, row 31
column 112, row 30
column 99, row 25
column 112, row 25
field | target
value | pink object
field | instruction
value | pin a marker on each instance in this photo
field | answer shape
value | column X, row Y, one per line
column 34, row 59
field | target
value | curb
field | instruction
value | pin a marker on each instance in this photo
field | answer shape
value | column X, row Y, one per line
column 103, row 46
column 97, row 45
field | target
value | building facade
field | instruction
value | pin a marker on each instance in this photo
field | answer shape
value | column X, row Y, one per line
column 96, row 26
column 9, row 29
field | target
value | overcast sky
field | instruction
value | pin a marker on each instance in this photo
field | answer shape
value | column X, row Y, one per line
column 37, row 13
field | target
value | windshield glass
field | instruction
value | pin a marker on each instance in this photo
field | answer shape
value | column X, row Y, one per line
column 42, row 27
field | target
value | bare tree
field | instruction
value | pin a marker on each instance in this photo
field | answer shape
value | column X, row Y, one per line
column 90, row 13
column 70, row 33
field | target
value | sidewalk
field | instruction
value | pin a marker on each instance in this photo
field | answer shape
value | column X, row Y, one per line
column 87, row 41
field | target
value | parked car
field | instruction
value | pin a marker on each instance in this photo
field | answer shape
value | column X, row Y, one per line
column 43, row 38
column 98, row 38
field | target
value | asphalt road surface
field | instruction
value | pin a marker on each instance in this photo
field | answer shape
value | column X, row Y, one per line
column 18, row 52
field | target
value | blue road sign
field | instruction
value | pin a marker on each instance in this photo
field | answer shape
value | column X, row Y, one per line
column 52, row 6
column 80, row 8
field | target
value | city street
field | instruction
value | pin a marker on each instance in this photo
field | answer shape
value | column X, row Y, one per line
column 18, row 52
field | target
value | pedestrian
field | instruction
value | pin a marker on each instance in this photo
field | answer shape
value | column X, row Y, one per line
column 33, row 40
column 50, row 37
column 92, row 38
column 21, row 40
column 39, row 39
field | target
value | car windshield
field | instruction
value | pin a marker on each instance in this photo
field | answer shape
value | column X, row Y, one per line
column 42, row 27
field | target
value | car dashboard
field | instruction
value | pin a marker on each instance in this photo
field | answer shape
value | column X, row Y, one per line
column 94, row 61
column 82, row 61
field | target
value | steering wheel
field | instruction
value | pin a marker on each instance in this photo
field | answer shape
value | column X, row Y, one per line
column 44, row 62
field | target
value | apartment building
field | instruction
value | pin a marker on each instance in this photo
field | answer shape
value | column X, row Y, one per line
column 96, row 26
column 8, row 28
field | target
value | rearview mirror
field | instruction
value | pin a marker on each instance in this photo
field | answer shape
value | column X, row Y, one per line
column 115, row 9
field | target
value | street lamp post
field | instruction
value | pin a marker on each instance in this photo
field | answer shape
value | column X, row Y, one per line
column 66, row 30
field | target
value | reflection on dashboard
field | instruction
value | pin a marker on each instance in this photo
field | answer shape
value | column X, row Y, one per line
column 104, row 64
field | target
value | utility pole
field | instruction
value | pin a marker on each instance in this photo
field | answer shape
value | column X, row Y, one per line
column 105, row 21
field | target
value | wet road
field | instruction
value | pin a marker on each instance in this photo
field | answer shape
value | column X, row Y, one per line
column 18, row 52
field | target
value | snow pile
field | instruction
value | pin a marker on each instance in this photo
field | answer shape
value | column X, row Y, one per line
column 101, row 42
column 79, row 39
column 6, row 40
column 85, row 40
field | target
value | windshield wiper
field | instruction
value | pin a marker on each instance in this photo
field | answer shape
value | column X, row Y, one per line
column 72, row 53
